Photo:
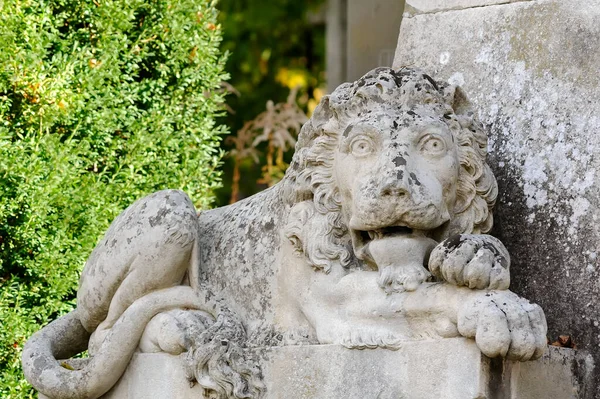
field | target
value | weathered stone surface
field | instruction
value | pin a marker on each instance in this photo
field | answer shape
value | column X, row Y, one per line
column 359, row 35
column 414, row 7
column 385, row 179
column 146, row 266
column 449, row 369
column 532, row 69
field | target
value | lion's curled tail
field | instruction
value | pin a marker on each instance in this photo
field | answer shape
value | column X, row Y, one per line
column 66, row 337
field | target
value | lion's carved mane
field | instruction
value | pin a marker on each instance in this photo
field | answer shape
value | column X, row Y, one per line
column 315, row 226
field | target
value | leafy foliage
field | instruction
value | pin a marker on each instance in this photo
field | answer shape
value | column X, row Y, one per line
column 101, row 102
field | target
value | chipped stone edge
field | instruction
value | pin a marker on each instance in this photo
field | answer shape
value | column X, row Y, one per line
column 411, row 11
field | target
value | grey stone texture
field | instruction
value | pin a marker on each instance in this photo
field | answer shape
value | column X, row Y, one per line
column 335, row 43
column 414, row 7
column 532, row 70
column 433, row 369
column 145, row 266
column 330, row 254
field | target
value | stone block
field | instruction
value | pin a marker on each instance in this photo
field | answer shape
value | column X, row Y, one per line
column 532, row 71
column 448, row 369
column 414, row 7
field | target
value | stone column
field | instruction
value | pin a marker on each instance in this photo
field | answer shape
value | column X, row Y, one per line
column 361, row 35
column 371, row 34
column 335, row 33
column 532, row 69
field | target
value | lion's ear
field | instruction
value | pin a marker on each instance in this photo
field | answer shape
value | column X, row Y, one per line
column 322, row 112
column 456, row 97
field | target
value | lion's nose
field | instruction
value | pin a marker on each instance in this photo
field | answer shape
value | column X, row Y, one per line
column 394, row 188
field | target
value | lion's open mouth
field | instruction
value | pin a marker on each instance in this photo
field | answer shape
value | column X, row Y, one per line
column 389, row 231
column 362, row 238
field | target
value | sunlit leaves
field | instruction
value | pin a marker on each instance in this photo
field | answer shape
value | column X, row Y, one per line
column 101, row 102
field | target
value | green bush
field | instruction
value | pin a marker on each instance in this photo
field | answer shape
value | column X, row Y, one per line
column 101, row 102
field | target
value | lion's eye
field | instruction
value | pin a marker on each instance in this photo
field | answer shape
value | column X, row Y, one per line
column 361, row 146
column 432, row 145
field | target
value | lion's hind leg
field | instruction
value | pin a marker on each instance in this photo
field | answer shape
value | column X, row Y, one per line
column 150, row 246
column 150, row 272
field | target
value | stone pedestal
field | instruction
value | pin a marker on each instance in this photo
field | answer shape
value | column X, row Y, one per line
column 448, row 369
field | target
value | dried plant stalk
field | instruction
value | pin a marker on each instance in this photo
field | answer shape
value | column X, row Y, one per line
column 277, row 126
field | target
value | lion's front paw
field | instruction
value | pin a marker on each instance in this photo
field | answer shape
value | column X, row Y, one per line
column 395, row 278
column 370, row 339
column 474, row 261
column 503, row 324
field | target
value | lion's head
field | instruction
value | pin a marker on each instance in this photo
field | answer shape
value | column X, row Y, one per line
column 394, row 153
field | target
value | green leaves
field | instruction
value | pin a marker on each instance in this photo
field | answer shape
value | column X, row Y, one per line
column 101, row 103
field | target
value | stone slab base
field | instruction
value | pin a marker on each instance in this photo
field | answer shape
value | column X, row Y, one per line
column 448, row 369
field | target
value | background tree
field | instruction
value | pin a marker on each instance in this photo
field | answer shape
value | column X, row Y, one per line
column 275, row 47
column 101, row 102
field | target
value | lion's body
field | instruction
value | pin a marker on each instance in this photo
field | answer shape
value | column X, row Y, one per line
column 146, row 265
column 240, row 248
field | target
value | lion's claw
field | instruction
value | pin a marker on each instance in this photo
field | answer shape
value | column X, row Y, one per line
column 474, row 261
column 504, row 325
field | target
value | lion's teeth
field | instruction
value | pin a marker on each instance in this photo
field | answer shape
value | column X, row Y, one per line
column 371, row 235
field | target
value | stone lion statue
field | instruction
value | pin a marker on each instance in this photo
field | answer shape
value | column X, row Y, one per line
column 375, row 235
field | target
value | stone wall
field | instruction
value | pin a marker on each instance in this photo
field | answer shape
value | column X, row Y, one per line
column 532, row 69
